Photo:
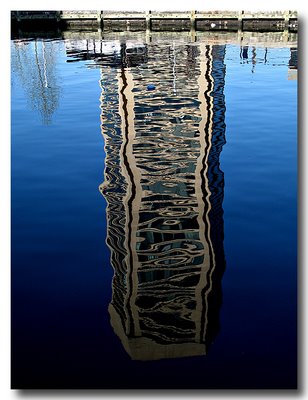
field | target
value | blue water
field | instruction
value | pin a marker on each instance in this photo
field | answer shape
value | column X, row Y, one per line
column 74, row 186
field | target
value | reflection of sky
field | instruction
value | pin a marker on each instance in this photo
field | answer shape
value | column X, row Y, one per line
column 260, row 156
column 265, row 57
column 56, row 170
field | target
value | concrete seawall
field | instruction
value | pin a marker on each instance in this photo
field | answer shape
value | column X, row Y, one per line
column 159, row 20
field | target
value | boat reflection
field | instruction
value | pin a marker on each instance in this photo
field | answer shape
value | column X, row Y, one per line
column 164, row 191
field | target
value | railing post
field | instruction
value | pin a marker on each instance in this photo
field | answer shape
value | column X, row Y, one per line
column 148, row 27
column 286, row 16
column 99, row 18
column 58, row 16
column 148, row 20
column 193, row 20
column 193, row 25
column 240, row 20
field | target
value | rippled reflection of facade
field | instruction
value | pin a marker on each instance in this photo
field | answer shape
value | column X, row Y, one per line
column 164, row 190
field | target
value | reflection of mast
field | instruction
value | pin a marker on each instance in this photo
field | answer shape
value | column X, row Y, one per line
column 42, row 85
column 37, row 75
column 159, row 188
column 44, row 66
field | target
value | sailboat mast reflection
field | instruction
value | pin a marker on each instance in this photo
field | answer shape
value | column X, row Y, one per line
column 164, row 192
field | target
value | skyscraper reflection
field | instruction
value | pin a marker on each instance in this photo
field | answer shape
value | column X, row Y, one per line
column 164, row 192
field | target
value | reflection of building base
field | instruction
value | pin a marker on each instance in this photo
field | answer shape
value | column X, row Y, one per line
column 143, row 348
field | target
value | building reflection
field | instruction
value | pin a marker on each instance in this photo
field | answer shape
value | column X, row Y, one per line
column 164, row 190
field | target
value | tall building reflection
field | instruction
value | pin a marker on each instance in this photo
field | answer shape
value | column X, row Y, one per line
column 164, row 190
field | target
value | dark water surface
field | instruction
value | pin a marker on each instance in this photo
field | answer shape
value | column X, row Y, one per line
column 154, row 205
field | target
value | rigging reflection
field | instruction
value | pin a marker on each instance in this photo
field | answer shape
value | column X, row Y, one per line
column 164, row 190
column 34, row 62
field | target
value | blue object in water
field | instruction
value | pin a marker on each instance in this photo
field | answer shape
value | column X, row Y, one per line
column 151, row 87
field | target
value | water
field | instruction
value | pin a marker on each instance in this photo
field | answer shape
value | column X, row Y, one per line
column 154, row 229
